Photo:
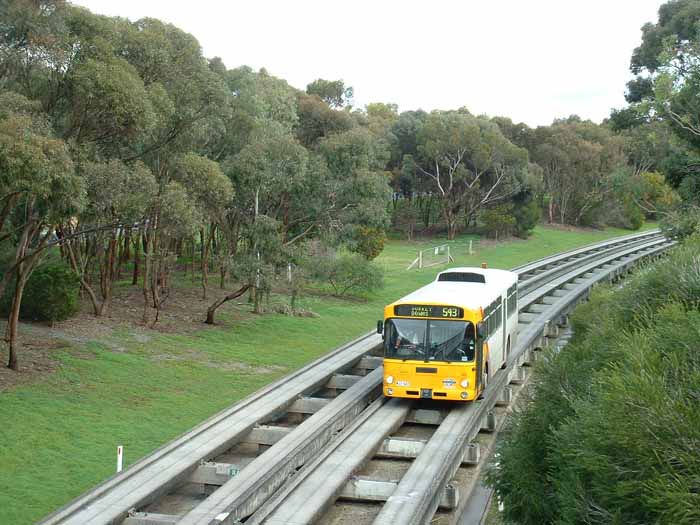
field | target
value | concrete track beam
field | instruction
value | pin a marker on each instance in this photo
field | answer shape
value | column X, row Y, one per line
column 423, row 416
column 342, row 382
column 308, row 405
column 212, row 473
column 267, row 434
column 364, row 489
column 401, row 448
column 150, row 518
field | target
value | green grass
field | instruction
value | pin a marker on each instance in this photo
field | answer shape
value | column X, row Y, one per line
column 59, row 436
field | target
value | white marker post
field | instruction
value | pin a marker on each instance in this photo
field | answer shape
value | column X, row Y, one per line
column 120, row 458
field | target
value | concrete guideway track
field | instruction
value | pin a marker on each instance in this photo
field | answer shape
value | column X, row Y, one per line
column 416, row 498
column 313, row 490
column 154, row 475
column 320, row 483
column 294, row 447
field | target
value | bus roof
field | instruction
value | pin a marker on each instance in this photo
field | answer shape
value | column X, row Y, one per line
column 471, row 295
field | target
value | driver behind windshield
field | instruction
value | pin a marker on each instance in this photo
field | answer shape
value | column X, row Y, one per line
column 431, row 340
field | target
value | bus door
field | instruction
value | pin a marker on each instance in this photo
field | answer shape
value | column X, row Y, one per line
column 479, row 359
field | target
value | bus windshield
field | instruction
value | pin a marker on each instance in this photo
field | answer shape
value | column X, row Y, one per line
column 430, row 340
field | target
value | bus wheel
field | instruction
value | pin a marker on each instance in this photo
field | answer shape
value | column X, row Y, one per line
column 484, row 380
column 505, row 361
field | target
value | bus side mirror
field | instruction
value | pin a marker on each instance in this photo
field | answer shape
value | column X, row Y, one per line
column 481, row 330
column 380, row 327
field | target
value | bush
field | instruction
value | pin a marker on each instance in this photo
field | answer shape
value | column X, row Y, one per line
column 634, row 216
column 405, row 217
column 349, row 273
column 682, row 223
column 498, row 221
column 526, row 215
column 51, row 293
column 629, row 452
column 369, row 242
column 611, row 434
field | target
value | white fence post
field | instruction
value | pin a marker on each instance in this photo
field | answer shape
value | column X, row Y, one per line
column 120, row 458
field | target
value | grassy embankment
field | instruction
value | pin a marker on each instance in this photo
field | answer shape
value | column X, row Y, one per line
column 59, row 435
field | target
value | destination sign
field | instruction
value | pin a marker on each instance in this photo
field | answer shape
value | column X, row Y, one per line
column 423, row 310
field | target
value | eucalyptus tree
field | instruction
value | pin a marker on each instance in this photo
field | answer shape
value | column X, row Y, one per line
column 667, row 84
column 39, row 189
column 469, row 163
column 172, row 214
column 647, row 145
column 333, row 92
column 317, row 120
column 271, row 179
column 212, row 193
column 358, row 186
column 118, row 199
column 579, row 159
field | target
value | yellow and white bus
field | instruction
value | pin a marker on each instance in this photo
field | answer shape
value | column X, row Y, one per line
column 445, row 340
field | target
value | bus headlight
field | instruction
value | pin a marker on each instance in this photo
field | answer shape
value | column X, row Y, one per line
column 464, row 383
column 389, row 391
column 389, row 380
column 463, row 395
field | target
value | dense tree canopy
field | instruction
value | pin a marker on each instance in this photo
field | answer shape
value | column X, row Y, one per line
column 125, row 146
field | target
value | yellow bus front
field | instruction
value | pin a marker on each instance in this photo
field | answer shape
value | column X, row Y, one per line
column 432, row 352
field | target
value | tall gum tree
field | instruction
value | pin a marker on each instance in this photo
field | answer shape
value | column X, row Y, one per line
column 118, row 200
column 38, row 190
column 469, row 163
column 212, row 193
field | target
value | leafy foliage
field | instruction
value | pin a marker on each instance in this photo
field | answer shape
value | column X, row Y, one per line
column 369, row 242
column 51, row 293
column 332, row 92
column 349, row 274
column 498, row 221
column 610, row 434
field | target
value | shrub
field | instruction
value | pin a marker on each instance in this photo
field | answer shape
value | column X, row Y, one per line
column 682, row 223
column 611, row 434
column 628, row 454
column 349, row 273
column 526, row 215
column 634, row 216
column 405, row 217
column 51, row 293
column 498, row 221
column 369, row 242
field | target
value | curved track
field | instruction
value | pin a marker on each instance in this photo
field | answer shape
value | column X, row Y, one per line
column 291, row 451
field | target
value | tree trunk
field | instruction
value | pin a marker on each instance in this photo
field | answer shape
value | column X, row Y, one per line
column 451, row 226
column 257, row 301
column 212, row 309
column 194, row 258
column 13, row 321
column 84, row 285
column 23, row 270
column 107, row 274
column 137, row 260
column 224, row 275
column 205, row 261
column 146, row 276
column 294, row 301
